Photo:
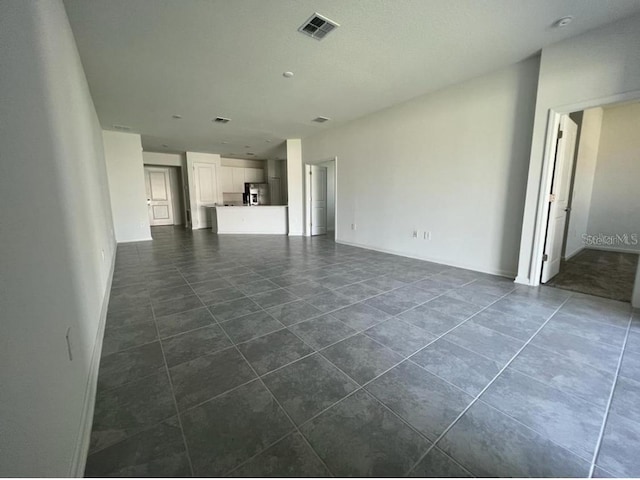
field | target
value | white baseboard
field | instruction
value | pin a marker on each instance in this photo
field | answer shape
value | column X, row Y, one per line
column 573, row 254
column 79, row 460
column 500, row 273
column 613, row 249
column 145, row 239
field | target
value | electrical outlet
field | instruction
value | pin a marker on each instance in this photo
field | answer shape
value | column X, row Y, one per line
column 427, row 235
column 354, row 226
column 415, row 234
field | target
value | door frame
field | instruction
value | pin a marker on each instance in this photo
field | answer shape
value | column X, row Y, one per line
column 168, row 188
column 531, row 261
column 307, row 195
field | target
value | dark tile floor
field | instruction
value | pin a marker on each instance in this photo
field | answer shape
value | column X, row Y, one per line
column 276, row 356
column 598, row 272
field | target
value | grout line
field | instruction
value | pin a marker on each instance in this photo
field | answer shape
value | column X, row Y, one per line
column 477, row 397
column 610, row 399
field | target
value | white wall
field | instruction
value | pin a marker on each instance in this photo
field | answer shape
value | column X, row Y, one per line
column 597, row 67
column 453, row 163
column 164, row 159
column 585, row 170
column 295, row 187
column 125, row 168
column 615, row 203
column 56, row 225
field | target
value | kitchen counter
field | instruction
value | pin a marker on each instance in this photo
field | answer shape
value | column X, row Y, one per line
column 251, row 220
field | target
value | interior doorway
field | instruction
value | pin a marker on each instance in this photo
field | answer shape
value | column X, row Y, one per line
column 165, row 200
column 320, row 198
column 592, row 237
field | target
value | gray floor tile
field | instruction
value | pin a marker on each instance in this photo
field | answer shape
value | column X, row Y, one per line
column 384, row 284
column 128, row 409
column 129, row 365
column 176, row 306
column 508, row 324
column 490, row 444
column 308, row 386
column 595, row 354
column 453, row 308
column 361, row 358
column 322, row 331
column 626, row 399
column 120, row 338
column 430, row 320
column 209, row 286
column 359, row 437
column 360, row 316
column 393, row 303
column 329, row 301
column 290, row 457
column 474, row 294
column 129, row 316
column 463, row 368
column 630, row 367
column 589, row 329
column 221, row 295
column 226, row 431
column 306, row 289
column 552, row 297
column 433, row 287
column 207, row 376
column 568, row 420
column 400, row 336
column 565, row 373
column 184, row 321
column 599, row 309
column 128, row 297
column 599, row 472
column 274, row 350
column 437, row 464
column 358, row 291
column 273, row 298
column 619, row 449
column 164, row 294
column 157, row 452
column 234, row 309
column 294, row 312
column 523, row 309
column 258, row 286
column 633, row 342
column 423, row 400
column 487, row 342
column 187, row 346
column 250, row 326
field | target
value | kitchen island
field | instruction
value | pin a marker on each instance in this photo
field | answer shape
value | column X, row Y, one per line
column 252, row 220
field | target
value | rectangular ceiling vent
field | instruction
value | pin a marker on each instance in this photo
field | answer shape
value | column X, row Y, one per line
column 221, row 120
column 318, row 26
column 122, row 128
column 321, row 119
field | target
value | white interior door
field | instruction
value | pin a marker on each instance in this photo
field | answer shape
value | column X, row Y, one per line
column 158, row 188
column 559, row 198
column 206, row 192
column 318, row 200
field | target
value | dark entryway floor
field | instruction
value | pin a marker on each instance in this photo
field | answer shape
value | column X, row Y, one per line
column 601, row 273
column 276, row 356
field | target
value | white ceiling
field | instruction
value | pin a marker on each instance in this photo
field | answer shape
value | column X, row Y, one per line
column 149, row 59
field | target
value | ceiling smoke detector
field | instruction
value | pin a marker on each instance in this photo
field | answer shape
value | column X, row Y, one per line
column 318, row 26
column 563, row 22
column 221, row 120
column 321, row 119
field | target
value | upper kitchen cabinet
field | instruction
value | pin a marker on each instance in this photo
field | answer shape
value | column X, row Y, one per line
column 226, row 179
column 232, row 179
column 254, row 175
column 238, row 174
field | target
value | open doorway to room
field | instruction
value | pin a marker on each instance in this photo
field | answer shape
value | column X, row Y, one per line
column 320, row 198
column 592, row 239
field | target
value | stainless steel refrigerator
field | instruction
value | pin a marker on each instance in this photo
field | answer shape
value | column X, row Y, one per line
column 256, row 193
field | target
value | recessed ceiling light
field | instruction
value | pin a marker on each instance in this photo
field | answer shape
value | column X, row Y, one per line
column 221, row 120
column 287, row 74
column 176, row 116
column 563, row 22
column 165, row 145
column 224, row 143
column 321, row 119
column 251, row 154
column 268, row 141
column 247, row 146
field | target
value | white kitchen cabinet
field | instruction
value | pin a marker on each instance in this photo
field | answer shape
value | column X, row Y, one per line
column 226, row 179
column 254, row 175
column 238, row 179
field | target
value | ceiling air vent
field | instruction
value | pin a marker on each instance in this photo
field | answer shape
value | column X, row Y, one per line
column 321, row 119
column 318, row 26
column 221, row 120
column 123, row 128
